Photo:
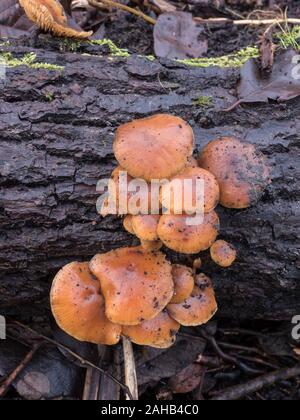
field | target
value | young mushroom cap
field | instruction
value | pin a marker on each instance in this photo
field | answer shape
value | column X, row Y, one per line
column 223, row 253
column 241, row 170
column 137, row 285
column 145, row 226
column 183, row 282
column 199, row 308
column 154, row 148
column 176, row 232
column 78, row 306
column 49, row 15
column 184, row 185
column 159, row 332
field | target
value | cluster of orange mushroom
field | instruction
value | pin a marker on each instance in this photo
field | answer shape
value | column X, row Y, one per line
column 135, row 292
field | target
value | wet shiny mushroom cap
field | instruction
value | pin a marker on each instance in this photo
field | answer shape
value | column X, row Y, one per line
column 136, row 284
column 145, row 226
column 223, row 253
column 154, row 148
column 183, row 282
column 241, row 170
column 176, row 232
column 78, row 306
column 191, row 189
column 199, row 308
column 159, row 332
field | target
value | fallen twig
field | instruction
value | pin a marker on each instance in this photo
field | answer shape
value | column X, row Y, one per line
column 130, row 370
column 83, row 361
column 239, row 391
column 16, row 372
column 227, row 358
column 124, row 8
column 245, row 22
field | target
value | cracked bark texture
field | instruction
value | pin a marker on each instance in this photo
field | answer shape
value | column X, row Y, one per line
column 56, row 133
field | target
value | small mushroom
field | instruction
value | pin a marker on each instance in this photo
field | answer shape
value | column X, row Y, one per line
column 157, row 147
column 223, row 253
column 78, row 306
column 183, row 282
column 159, row 332
column 145, row 226
column 199, row 308
column 182, row 193
column 137, row 285
column 176, row 232
column 241, row 170
column 49, row 15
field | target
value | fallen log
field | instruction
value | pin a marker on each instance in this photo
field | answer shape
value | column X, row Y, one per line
column 57, row 122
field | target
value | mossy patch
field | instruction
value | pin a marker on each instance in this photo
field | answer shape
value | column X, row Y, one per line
column 203, row 101
column 234, row 60
column 116, row 51
column 27, row 60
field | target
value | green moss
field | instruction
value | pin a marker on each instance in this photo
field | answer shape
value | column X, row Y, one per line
column 49, row 96
column 27, row 60
column 203, row 101
column 69, row 45
column 116, row 51
column 289, row 37
column 233, row 60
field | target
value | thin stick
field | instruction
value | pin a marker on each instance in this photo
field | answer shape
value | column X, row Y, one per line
column 244, row 22
column 16, row 372
column 130, row 370
column 83, row 361
column 124, row 8
column 239, row 391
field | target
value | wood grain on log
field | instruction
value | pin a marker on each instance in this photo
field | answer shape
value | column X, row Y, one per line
column 56, row 133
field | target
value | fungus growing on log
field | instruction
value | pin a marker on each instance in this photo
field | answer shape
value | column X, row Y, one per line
column 241, row 170
column 49, row 15
column 79, row 308
column 157, row 147
column 223, row 253
column 137, row 285
column 197, row 309
column 159, row 332
column 177, row 233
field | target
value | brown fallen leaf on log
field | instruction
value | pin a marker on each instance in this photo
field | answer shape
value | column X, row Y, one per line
column 49, row 15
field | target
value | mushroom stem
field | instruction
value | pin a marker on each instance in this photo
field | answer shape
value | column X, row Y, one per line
column 130, row 370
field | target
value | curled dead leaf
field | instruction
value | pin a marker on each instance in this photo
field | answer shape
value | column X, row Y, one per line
column 49, row 15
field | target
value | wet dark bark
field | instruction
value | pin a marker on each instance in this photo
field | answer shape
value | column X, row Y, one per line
column 56, row 132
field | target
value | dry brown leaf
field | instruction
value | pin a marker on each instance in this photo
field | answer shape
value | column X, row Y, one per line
column 49, row 15
column 187, row 380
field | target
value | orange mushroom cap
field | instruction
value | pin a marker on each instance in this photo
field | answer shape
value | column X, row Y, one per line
column 241, row 170
column 78, row 306
column 223, row 253
column 154, row 148
column 145, row 226
column 159, row 332
column 136, row 284
column 176, row 233
column 49, row 15
column 183, row 282
column 151, row 246
column 185, row 184
column 199, row 308
column 192, row 162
